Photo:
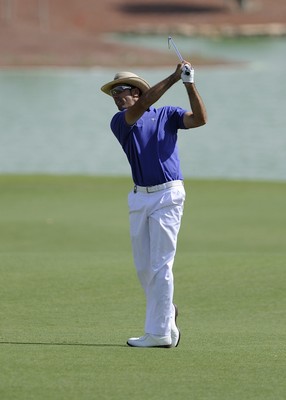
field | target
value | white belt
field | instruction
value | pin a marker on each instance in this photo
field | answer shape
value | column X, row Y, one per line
column 157, row 188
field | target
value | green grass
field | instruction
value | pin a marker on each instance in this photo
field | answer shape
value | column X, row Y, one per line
column 70, row 297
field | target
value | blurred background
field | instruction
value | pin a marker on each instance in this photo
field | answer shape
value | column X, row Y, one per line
column 56, row 54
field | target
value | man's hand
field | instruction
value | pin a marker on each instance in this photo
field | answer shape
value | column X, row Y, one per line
column 188, row 73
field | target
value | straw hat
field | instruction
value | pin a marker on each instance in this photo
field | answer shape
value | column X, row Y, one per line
column 127, row 78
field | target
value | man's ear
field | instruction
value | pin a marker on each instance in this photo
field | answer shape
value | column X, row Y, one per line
column 135, row 92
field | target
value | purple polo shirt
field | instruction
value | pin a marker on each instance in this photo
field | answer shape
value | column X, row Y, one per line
column 151, row 144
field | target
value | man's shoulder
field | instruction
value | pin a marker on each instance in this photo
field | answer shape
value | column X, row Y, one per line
column 119, row 114
column 117, row 117
column 118, row 123
column 170, row 111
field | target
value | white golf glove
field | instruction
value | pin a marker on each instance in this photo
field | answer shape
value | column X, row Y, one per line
column 188, row 74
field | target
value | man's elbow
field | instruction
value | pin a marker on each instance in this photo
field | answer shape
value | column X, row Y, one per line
column 202, row 120
column 195, row 120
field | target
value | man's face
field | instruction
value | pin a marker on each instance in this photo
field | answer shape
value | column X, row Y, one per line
column 124, row 96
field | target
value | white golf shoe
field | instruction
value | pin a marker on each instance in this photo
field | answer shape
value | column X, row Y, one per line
column 150, row 341
column 175, row 333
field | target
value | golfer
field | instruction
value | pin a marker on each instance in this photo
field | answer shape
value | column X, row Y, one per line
column 148, row 137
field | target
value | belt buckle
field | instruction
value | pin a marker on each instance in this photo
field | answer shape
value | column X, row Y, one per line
column 135, row 189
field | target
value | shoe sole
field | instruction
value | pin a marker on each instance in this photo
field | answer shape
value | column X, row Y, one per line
column 176, row 315
column 166, row 346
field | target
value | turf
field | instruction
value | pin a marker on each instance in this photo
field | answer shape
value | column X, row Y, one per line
column 70, row 297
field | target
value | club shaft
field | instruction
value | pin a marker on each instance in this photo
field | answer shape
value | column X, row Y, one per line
column 176, row 49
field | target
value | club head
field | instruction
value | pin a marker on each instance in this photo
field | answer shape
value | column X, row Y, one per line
column 169, row 39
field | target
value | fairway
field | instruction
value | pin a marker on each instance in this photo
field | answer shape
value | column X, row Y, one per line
column 70, row 297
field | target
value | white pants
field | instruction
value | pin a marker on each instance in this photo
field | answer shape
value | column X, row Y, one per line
column 155, row 220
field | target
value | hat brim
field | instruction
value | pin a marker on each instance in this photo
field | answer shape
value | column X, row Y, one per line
column 133, row 81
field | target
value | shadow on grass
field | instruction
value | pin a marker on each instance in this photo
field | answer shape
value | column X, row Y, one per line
column 65, row 344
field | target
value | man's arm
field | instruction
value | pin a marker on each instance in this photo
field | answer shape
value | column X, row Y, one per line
column 198, row 115
column 151, row 96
